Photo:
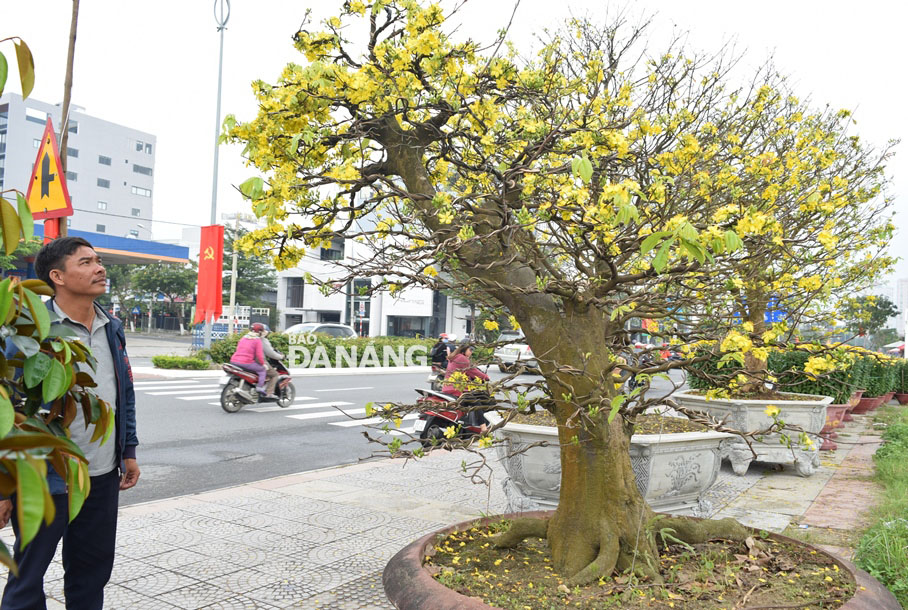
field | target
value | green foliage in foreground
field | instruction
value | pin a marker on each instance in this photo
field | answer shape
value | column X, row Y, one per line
column 180, row 362
column 883, row 550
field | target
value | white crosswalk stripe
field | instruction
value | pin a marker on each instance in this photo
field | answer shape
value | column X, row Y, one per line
column 160, row 385
column 199, row 389
column 203, row 397
column 331, row 413
column 366, row 422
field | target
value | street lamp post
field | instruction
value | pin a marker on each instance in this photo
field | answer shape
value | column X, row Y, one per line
column 221, row 16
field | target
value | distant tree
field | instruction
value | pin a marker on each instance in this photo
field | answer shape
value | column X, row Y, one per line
column 884, row 337
column 866, row 315
column 173, row 281
column 26, row 248
column 255, row 275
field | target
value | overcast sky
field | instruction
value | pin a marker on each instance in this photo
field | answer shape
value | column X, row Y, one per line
column 153, row 66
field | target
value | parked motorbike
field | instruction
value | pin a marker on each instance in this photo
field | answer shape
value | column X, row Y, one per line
column 437, row 412
column 240, row 388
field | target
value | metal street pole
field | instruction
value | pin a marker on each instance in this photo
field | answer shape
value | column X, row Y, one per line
column 236, row 231
column 221, row 19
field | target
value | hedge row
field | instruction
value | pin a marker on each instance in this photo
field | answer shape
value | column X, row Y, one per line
column 180, row 362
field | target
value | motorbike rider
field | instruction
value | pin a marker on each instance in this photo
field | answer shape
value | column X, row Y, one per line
column 250, row 354
column 441, row 350
column 459, row 365
column 271, row 374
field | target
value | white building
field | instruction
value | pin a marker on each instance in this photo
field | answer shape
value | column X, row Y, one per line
column 415, row 312
column 901, row 302
column 109, row 167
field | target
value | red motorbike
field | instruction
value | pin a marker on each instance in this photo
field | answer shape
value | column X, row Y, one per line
column 438, row 412
column 240, row 388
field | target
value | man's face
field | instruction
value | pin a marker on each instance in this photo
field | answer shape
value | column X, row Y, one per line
column 82, row 274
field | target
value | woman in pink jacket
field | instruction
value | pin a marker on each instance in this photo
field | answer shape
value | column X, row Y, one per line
column 459, row 365
column 250, row 355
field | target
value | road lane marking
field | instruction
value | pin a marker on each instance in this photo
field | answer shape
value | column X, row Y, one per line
column 196, row 390
column 367, row 387
column 276, row 408
column 165, row 386
column 369, row 421
column 205, row 397
column 332, row 413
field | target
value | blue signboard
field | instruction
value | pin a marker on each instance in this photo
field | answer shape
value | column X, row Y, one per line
column 136, row 311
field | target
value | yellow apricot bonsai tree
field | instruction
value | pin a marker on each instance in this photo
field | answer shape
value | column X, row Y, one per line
column 568, row 187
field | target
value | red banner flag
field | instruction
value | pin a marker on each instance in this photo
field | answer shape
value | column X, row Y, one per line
column 211, row 270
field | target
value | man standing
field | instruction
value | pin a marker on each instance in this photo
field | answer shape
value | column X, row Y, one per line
column 73, row 269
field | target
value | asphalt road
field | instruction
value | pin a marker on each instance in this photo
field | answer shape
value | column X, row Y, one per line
column 188, row 444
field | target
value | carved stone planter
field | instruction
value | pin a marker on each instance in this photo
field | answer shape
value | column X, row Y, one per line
column 672, row 470
column 410, row 586
column 807, row 412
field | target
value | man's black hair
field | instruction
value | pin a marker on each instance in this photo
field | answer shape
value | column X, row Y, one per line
column 53, row 256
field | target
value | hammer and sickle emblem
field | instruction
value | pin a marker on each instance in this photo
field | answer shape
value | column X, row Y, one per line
column 209, row 253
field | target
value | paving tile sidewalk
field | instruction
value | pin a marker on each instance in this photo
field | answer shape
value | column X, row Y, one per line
column 320, row 539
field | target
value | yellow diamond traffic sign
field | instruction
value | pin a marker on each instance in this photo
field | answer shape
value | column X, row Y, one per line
column 47, row 195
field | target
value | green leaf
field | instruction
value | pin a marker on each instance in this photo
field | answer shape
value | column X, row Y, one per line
column 661, row 259
column 575, row 165
column 54, row 383
column 26, row 68
column 11, row 227
column 4, row 72
column 29, row 499
column 7, row 415
column 651, row 240
column 36, row 369
column 79, row 484
column 617, row 401
column 585, row 170
column 253, row 188
column 26, row 345
column 7, row 559
column 732, row 241
column 25, row 217
column 6, row 299
column 60, row 330
column 694, row 250
column 294, row 144
column 38, row 311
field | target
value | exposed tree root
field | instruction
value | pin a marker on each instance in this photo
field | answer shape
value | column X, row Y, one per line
column 520, row 530
column 696, row 532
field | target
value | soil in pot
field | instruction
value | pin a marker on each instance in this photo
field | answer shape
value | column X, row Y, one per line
column 713, row 575
column 643, row 424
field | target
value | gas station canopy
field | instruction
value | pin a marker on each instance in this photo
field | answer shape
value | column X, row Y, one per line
column 128, row 251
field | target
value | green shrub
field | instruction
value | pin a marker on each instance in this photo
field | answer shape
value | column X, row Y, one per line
column 883, row 550
column 180, row 362
column 223, row 349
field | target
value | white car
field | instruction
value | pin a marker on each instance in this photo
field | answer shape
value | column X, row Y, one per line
column 341, row 331
column 514, row 351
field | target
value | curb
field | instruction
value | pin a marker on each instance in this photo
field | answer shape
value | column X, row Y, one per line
column 379, row 370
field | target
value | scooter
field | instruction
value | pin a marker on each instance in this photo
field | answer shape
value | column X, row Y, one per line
column 240, row 388
column 437, row 412
column 436, row 378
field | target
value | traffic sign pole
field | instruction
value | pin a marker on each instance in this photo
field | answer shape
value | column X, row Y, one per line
column 51, row 229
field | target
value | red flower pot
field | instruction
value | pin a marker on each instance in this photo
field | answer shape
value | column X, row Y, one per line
column 902, row 397
column 834, row 416
column 409, row 586
column 865, row 404
column 853, row 402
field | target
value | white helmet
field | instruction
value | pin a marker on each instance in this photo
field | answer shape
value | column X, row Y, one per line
column 452, row 338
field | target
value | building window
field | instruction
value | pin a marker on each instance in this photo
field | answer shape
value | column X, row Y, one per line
column 140, row 146
column 136, row 211
column 72, row 176
column 141, row 169
column 36, row 142
column 335, row 252
column 133, row 232
column 102, row 205
column 147, row 148
column 35, row 116
column 295, row 291
column 138, row 190
column 73, row 127
column 104, row 183
column 103, row 160
column 72, row 152
column 100, row 228
column 69, row 222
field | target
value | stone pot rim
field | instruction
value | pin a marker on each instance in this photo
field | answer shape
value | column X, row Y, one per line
column 810, row 400
column 705, row 435
column 409, row 586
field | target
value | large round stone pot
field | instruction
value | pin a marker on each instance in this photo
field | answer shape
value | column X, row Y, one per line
column 409, row 586
column 673, row 470
column 804, row 411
